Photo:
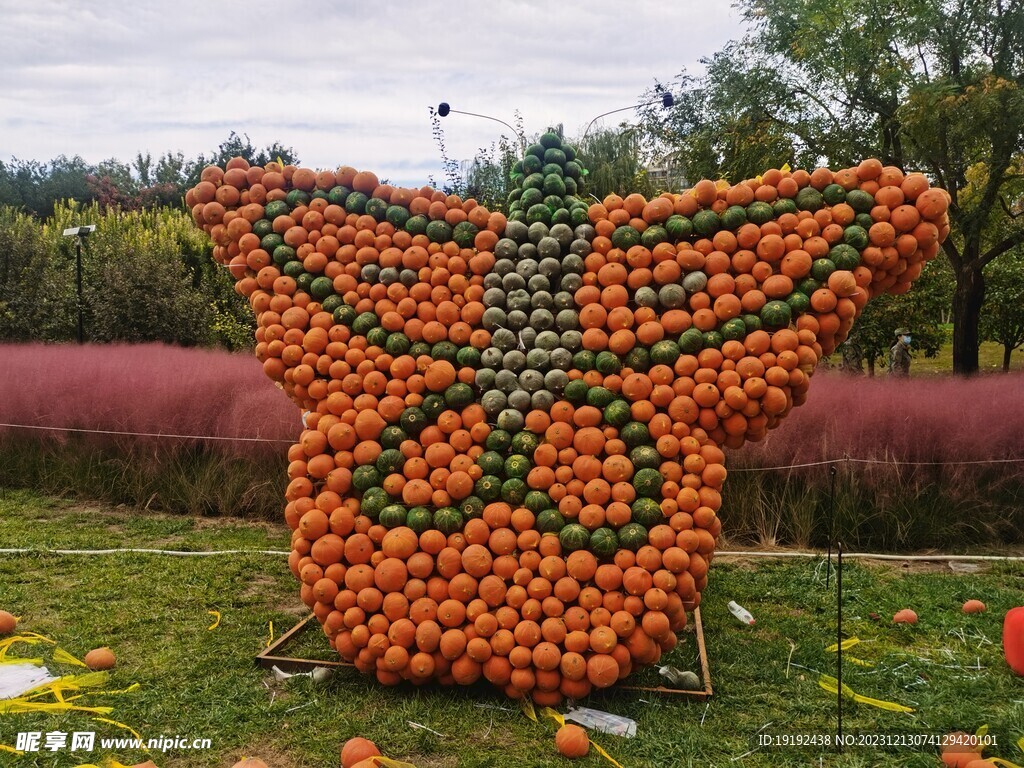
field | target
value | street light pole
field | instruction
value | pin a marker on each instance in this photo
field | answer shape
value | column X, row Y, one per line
column 79, row 233
column 78, row 273
column 444, row 109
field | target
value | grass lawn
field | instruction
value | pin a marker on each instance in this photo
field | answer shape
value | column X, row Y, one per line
column 990, row 360
column 152, row 611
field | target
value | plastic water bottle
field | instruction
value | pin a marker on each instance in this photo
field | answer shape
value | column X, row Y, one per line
column 741, row 613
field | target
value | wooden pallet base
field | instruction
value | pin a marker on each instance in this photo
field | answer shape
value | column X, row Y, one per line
column 274, row 656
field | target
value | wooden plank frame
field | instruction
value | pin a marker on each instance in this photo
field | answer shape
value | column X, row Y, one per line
column 273, row 656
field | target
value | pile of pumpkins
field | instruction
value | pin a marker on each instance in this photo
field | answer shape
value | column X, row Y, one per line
column 515, row 423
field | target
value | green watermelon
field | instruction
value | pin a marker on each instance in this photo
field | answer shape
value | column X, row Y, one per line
column 603, row 543
column 648, row 482
column 632, row 536
column 573, row 537
column 420, row 519
column 448, row 520
column 393, row 516
column 647, row 512
column 550, row 521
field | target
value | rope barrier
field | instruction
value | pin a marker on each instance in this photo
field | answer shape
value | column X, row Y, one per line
column 149, row 434
column 720, row 553
column 137, row 550
column 822, row 463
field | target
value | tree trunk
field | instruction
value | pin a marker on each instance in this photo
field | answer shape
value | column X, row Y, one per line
column 871, row 366
column 968, row 296
column 1007, row 350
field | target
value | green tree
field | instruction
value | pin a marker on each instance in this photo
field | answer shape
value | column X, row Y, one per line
column 147, row 276
column 1002, row 317
column 35, row 187
column 487, row 177
column 931, row 85
column 35, row 297
column 616, row 162
column 237, row 145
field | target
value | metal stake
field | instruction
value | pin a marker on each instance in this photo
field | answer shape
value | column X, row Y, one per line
column 839, row 640
column 831, row 520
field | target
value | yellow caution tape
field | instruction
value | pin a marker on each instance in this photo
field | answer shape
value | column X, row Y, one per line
column 16, row 660
column 270, row 642
column 1020, row 743
column 14, row 706
column 129, row 689
column 847, row 644
column 30, row 638
column 1000, row 761
column 982, row 730
column 785, row 168
column 831, row 685
column 5, row 748
column 722, row 184
column 388, row 762
column 63, row 657
column 760, row 180
column 130, row 730
column 858, row 662
column 216, row 619
column 68, row 683
column 527, row 706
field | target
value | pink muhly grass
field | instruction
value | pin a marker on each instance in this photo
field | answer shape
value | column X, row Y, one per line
column 149, row 388
column 944, row 420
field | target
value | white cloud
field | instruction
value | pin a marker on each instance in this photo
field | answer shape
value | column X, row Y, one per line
column 341, row 82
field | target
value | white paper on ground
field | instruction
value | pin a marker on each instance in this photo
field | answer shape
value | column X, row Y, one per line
column 16, row 679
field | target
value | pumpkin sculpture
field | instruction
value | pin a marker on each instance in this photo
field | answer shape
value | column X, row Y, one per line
column 513, row 459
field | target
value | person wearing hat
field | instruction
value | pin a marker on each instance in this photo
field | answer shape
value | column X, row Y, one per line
column 899, row 354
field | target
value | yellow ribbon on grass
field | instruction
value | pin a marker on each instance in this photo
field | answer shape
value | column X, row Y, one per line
column 15, row 660
column 30, row 638
column 388, row 762
column 132, row 731
column 527, row 706
column 63, row 657
column 831, row 685
column 216, row 619
column 846, row 645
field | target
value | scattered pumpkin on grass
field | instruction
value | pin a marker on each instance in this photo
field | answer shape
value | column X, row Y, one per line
column 356, row 751
column 572, row 741
column 974, row 606
column 8, row 622
column 100, row 659
column 905, row 616
column 513, row 461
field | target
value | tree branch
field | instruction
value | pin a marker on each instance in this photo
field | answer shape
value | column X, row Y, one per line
column 1017, row 238
column 1006, row 208
column 953, row 254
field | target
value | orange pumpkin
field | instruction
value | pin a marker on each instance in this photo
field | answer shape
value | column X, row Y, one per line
column 572, row 741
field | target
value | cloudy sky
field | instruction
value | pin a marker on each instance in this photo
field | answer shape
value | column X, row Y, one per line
column 341, row 82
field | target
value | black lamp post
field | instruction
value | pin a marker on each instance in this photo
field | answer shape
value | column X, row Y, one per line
column 444, row 109
column 666, row 101
column 80, row 233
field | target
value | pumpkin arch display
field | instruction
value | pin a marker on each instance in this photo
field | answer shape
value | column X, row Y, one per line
column 514, row 452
